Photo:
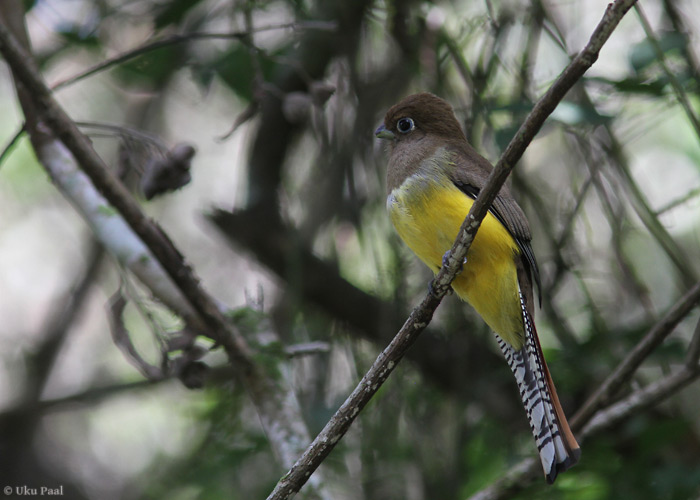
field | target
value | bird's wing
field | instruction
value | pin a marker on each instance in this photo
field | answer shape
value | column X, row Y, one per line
column 469, row 175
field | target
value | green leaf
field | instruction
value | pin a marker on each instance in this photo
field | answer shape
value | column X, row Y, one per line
column 74, row 37
column 235, row 67
column 571, row 113
column 173, row 12
column 248, row 319
column 29, row 5
column 643, row 53
column 107, row 210
column 520, row 107
column 504, row 135
column 635, row 85
column 153, row 68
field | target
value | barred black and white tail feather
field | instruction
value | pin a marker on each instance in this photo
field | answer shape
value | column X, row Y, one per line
column 557, row 447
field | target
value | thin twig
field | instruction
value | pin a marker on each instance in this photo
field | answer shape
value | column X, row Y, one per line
column 693, row 354
column 58, row 324
column 124, row 131
column 676, row 254
column 693, row 193
column 249, row 112
column 177, row 39
column 677, row 87
column 306, row 349
column 121, row 339
column 679, row 21
column 615, row 212
column 10, row 144
column 338, row 425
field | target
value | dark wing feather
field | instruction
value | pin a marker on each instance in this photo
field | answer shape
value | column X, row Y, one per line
column 470, row 175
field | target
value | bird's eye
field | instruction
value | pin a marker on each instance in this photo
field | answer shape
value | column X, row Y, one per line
column 405, row 125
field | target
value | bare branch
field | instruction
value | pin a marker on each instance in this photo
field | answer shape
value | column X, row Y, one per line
column 641, row 351
column 645, row 397
column 49, row 112
column 306, row 349
column 680, row 23
column 47, row 121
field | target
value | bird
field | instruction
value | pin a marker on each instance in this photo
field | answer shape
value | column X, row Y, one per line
column 433, row 178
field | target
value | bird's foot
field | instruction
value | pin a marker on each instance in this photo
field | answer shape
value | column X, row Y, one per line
column 446, row 260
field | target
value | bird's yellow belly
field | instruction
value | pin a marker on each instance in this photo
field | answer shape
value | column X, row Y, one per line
column 427, row 215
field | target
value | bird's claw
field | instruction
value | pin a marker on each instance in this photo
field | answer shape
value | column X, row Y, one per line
column 446, row 260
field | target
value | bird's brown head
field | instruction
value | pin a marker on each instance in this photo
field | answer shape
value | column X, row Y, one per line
column 417, row 128
column 419, row 116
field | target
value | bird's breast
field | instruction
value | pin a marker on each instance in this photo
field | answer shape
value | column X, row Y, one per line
column 427, row 212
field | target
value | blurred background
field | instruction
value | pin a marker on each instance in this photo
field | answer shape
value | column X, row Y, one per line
column 281, row 107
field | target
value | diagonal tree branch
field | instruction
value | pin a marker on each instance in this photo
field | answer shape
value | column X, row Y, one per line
column 641, row 351
column 50, row 126
column 279, row 247
column 51, row 113
column 693, row 355
column 536, row 118
column 643, row 398
column 422, row 314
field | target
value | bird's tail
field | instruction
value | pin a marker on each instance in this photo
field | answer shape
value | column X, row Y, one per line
column 556, row 444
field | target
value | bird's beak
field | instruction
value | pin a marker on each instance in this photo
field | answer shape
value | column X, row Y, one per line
column 383, row 133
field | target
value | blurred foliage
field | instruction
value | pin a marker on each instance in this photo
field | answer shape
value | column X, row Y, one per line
column 445, row 433
column 172, row 13
column 235, row 67
column 151, row 70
